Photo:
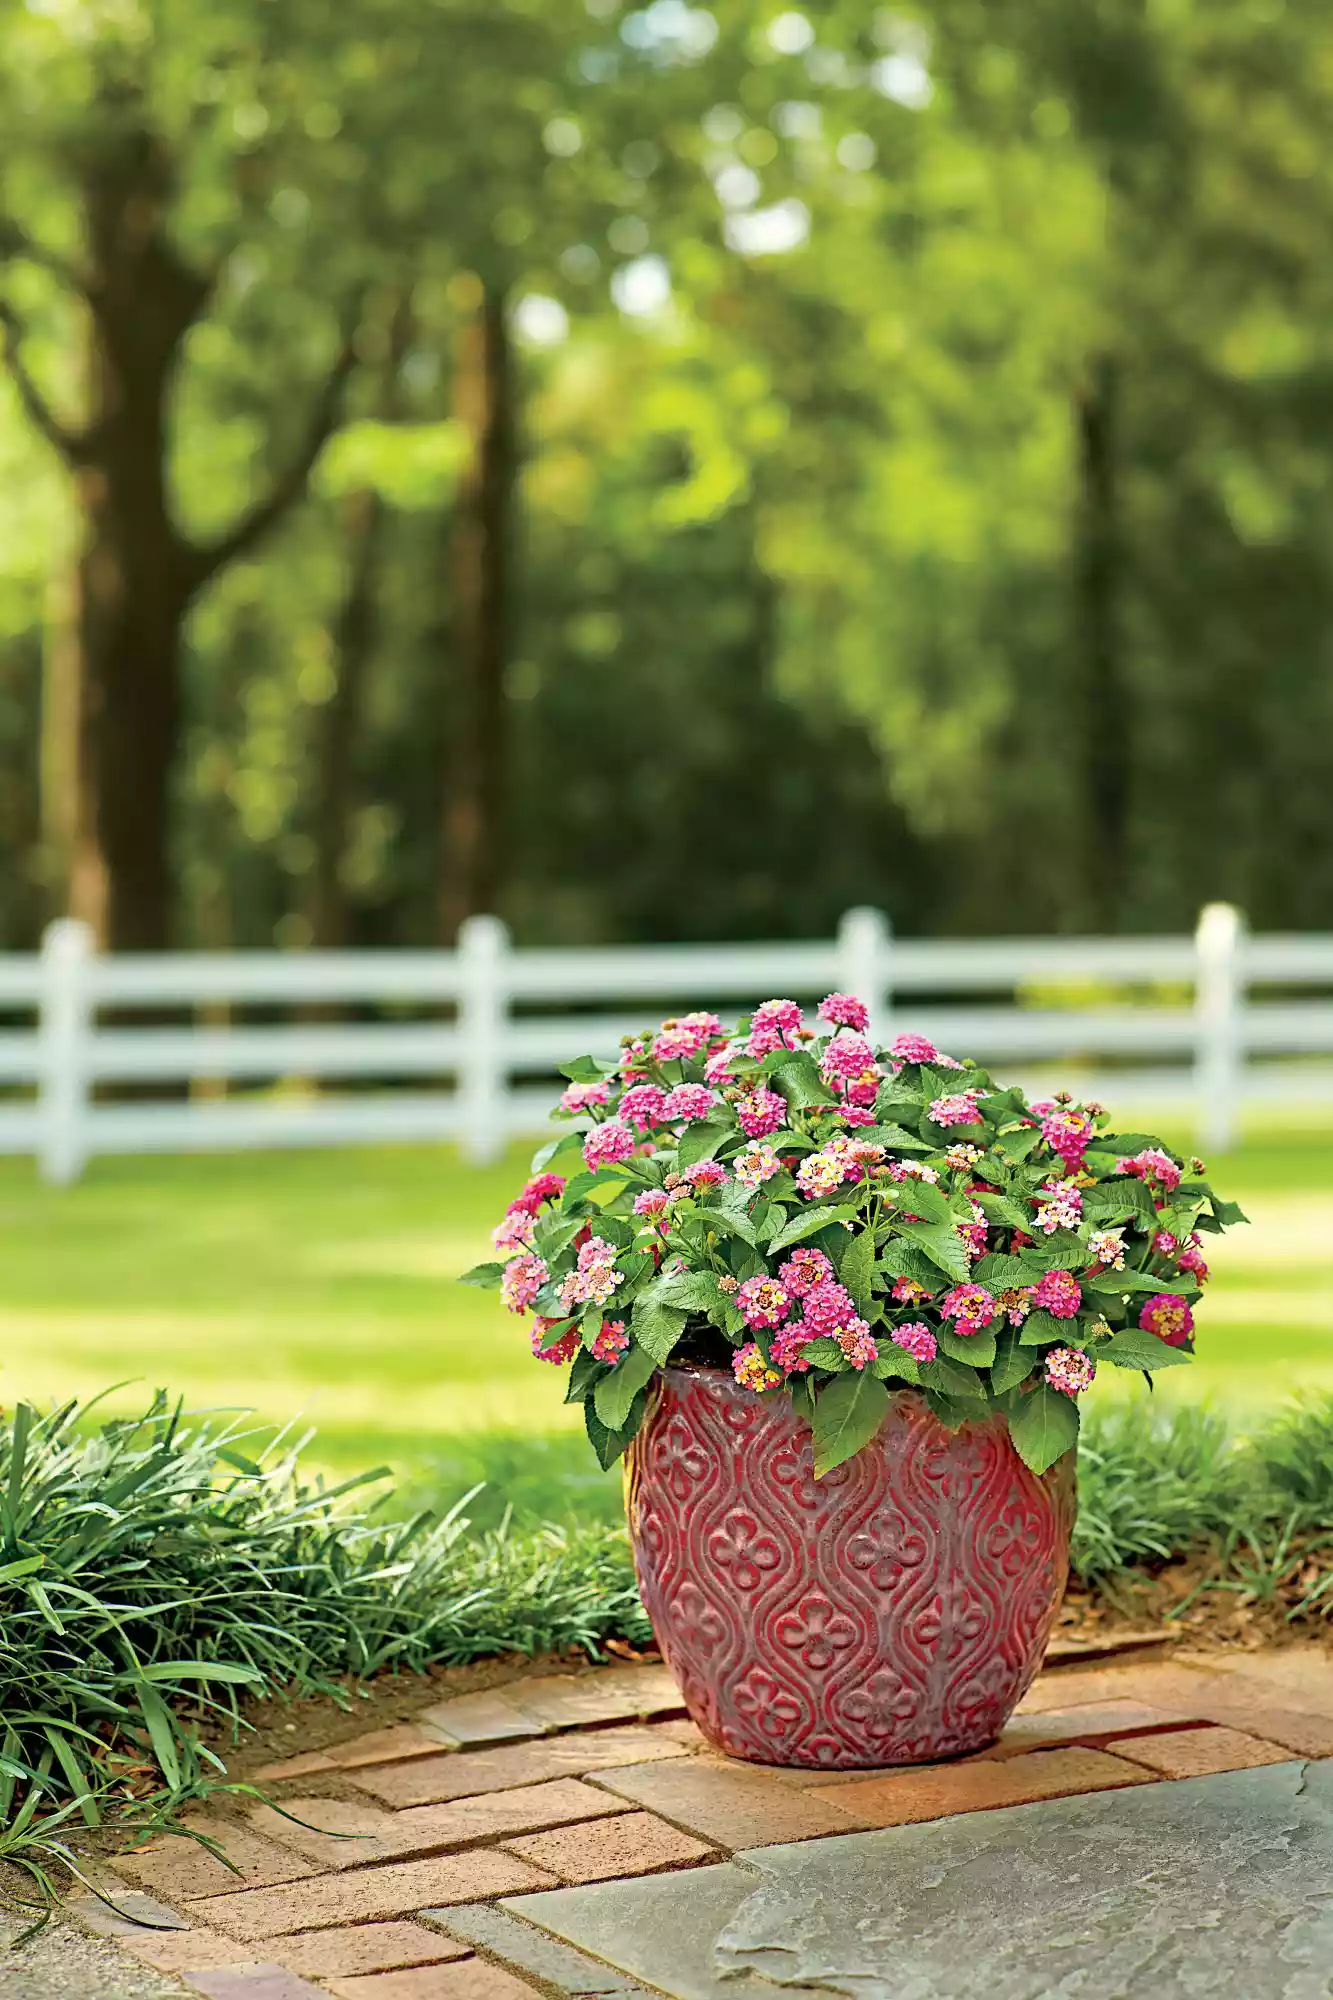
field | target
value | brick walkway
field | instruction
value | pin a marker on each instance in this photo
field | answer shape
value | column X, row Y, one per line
column 391, row 1888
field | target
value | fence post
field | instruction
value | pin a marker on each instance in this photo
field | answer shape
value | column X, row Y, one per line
column 1219, row 1001
column 483, row 1006
column 63, row 1033
column 864, row 946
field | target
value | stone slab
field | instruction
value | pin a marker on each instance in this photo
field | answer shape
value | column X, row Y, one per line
column 1216, row 1888
column 661, row 1929
column 525, row 1949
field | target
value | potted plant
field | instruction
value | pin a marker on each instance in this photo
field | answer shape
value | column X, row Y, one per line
column 839, row 1304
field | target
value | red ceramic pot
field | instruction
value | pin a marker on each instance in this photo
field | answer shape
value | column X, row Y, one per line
column 890, row 1613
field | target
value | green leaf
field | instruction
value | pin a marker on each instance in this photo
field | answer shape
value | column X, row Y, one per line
column 1041, row 1326
column 1017, row 1145
column 805, row 1225
column 701, row 1141
column 1043, row 1426
column 955, row 1411
column 797, row 1078
column 1001, row 1273
column 895, row 1366
column 848, row 1413
column 617, row 1390
column 952, row 1378
column 565, row 1142
column 730, row 1212
column 656, row 1327
column 826, row 1353
column 1123, row 1195
column 582, row 1375
column 1119, row 1282
column 923, row 1199
column 942, row 1245
column 1013, row 1363
column 857, row 1268
column 802, row 1390
column 161, row 1731
column 693, row 1291
column 485, row 1276
column 1136, row 1348
column 897, row 1137
column 1003, row 1208
column 608, row 1444
column 904, row 1260
column 975, row 1350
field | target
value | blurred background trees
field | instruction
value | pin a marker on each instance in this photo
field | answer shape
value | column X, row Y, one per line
column 664, row 471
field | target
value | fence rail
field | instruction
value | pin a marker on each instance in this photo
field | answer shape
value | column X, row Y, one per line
column 1184, row 1009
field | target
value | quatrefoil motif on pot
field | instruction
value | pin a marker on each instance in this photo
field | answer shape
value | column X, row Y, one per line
column 743, row 1550
column 817, row 1631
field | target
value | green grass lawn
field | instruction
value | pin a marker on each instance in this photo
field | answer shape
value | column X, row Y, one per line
column 318, row 1286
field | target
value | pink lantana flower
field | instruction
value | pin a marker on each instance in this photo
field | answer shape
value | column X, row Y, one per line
column 760, row 1112
column 916, row 1049
column 1058, row 1293
column 958, row 1110
column 763, row 1302
column 846, row 1057
column 805, row 1269
column 1154, row 1166
column 819, row 1174
column 653, row 1201
column 641, row 1105
column 1066, row 1129
column 907, row 1292
column 515, row 1231
column 1191, row 1259
column 828, row 1307
column 558, row 1351
column 717, row 1070
column 705, row 1174
column 608, row 1143
column 844, row 1010
column 1168, row 1317
column 774, row 1025
column 523, row 1278
column 915, row 1338
column 1069, row 1370
column 582, row 1096
column 1059, row 1206
column 857, row 1343
column 611, row 1341
column 970, row 1307
column 787, row 1348
column 688, row 1103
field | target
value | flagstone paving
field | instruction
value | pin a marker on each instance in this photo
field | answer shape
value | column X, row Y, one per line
column 573, row 1834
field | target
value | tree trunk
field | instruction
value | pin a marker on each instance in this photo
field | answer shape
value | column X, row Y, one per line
column 1105, row 707
column 474, row 831
column 354, row 640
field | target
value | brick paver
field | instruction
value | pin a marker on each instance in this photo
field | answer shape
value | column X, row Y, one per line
column 364, row 1895
column 266, row 1981
column 185, row 1951
column 357, row 1833
column 930, row 1791
column 737, row 1805
column 365, row 1948
column 179, row 1866
column 1099, row 1722
column 435, row 1780
column 1197, row 1753
column 474, row 1979
column 637, row 1844
column 389, row 1746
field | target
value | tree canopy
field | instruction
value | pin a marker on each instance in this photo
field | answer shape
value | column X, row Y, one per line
column 662, row 471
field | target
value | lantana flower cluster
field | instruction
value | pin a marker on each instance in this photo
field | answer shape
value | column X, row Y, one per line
column 838, row 1220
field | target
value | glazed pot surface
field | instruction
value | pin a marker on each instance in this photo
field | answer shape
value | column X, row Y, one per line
column 893, row 1612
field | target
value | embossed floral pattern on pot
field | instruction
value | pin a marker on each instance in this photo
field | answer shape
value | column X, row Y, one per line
column 892, row 1612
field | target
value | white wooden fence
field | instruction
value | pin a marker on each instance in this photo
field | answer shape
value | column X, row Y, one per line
column 483, row 1047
